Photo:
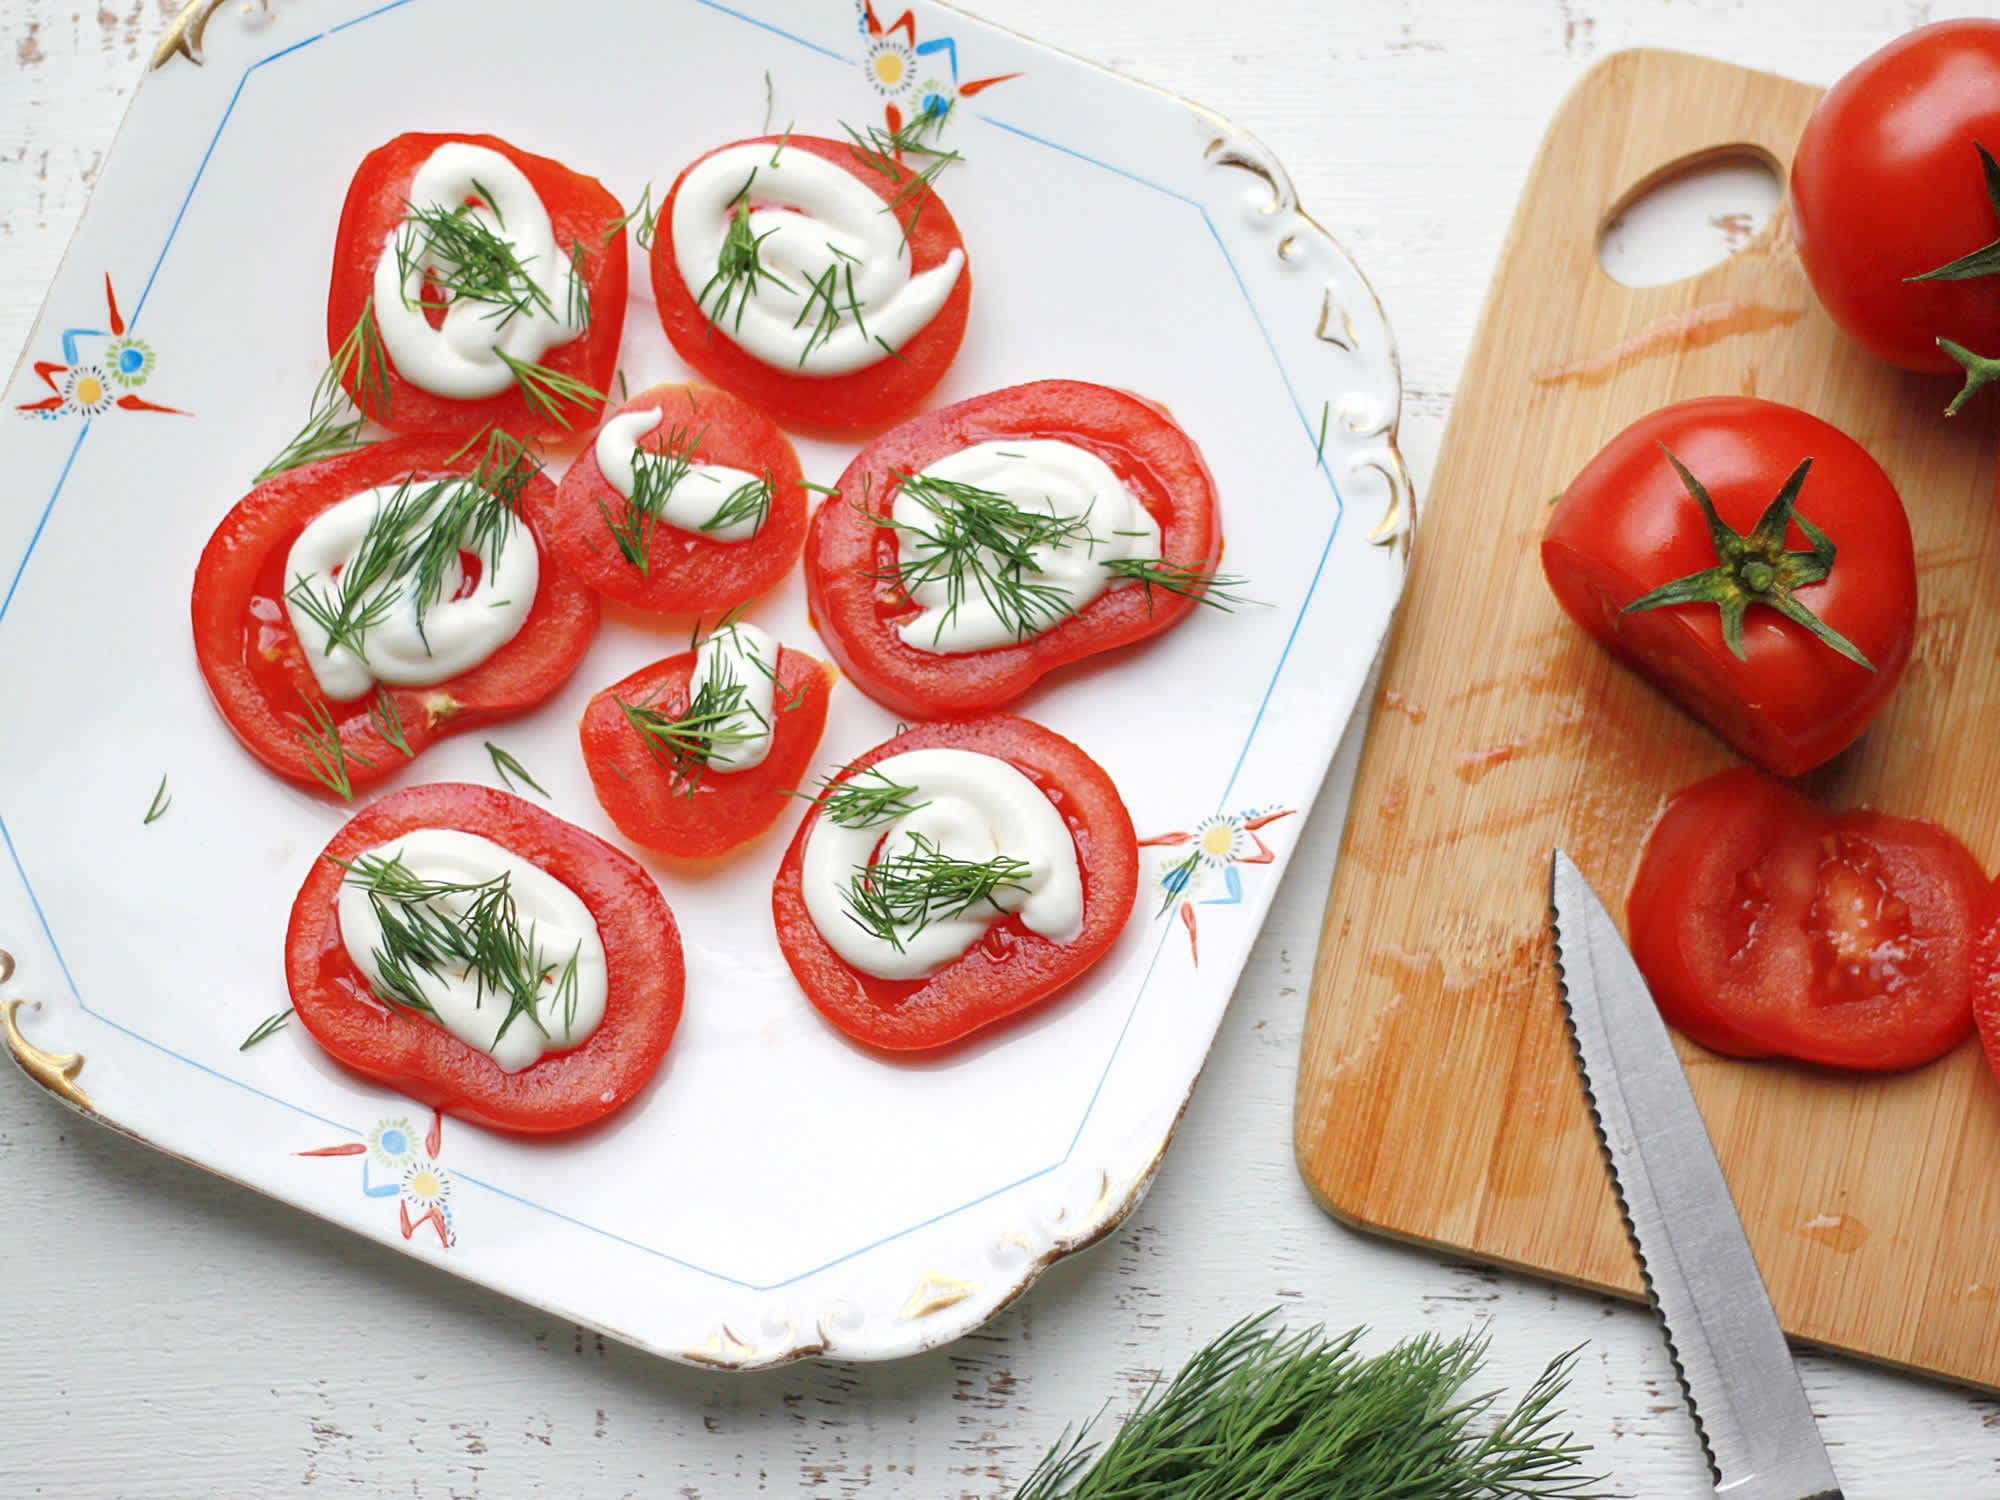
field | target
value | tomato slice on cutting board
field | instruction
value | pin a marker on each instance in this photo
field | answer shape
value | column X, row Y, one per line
column 859, row 604
column 560, row 1091
column 1750, row 560
column 1010, row 968
column 1766, row 926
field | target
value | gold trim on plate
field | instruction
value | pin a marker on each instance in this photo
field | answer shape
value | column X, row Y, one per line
column 934, row 1294
column 54, row 1071
column 183, row 35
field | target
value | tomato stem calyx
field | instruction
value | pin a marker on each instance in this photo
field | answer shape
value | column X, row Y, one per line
column 1756, row 568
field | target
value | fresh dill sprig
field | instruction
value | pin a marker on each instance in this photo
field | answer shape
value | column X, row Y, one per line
column 411, row 546
column 328, row 759
column 824, row 293
column 510, row 770
column 865, row 799
column 643, row 215
column 577, row 312
column 686, row 737
column 748, row 504
column 979, row 541
column 1216, row 590
column 388, row 720
column 267, row 1028
column 917, row 884
column 162, row 800
column 336, row 419
column 884, row 152
column 655, row 474
column 1319, row 447
column 470, row 928
column 739, row 264
column 453, row 256
column 548, row 392
column 1266, row 1414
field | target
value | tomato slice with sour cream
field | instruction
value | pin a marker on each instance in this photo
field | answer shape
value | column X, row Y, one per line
column 1767, row 926
column 951, row 877
column 689, row 501
column 486, row 958
column 352, row 543
column 823, row 281
column 698, row 754
column 476, row 285
column 980, row 546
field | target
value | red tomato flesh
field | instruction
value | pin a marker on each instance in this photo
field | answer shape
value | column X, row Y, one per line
column 1887, row 184
column 1766, row 926
column 857, row 607
column 867, row 398
column 1627, row 525
column 583, row 214
column 257, row 671
column 561, row 1091
column 704, row 814
column 686, row 572
column 1012, row 967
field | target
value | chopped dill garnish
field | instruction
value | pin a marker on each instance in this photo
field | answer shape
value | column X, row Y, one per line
column 686, row 735
column 451, row 255
column 739, row 265
column 980, row 542
column 916, row 884
column 267, row 1028
column 468, row 928
column 865, row 799
column 885, row 151
column 353, row 387
column 388, row 719
column 655, row 474
column 748, row 504
column 550, row 393
column 328, row 759
column 162, row 800
column 510, row 770
column 642, row 215
column 1216, row 590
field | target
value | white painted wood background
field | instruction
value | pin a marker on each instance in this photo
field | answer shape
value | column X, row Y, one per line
column 168, row 1335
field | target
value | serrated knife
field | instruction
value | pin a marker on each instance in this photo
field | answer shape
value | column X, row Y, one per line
column 1737, row 1373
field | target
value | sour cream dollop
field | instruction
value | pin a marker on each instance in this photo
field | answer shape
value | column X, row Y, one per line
column 968, row 806
column 697, row 495
column 461, row 359
column 556, row 924
column 833, row 252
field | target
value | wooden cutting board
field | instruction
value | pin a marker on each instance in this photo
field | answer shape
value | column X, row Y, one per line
column 1437, row 1100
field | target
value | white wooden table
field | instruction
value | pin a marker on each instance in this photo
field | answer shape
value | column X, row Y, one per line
column 169, row 1335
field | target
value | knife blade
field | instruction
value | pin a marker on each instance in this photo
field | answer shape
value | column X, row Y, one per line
column 1735, row 1369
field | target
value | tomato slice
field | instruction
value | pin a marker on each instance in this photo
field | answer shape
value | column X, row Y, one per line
column 561, row 1091
column 698, row 816
column 257, row 671
column 867, row 398
column 686, row 572
column 857, row 607
column 1012, row 967
column 1766, row 926
column 586, row 219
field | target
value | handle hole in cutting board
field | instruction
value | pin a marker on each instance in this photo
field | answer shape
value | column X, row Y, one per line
column 1688, row 216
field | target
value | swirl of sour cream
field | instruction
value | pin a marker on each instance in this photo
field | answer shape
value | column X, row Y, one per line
column 968, row 806
column 461, row 358
column 813, row 220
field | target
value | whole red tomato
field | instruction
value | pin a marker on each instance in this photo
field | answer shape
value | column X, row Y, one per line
column 1752, row 561
column 1889, row 185
column 1766, row 926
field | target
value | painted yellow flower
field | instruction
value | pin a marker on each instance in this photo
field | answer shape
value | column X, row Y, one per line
column 890, row 65
column 85, row 390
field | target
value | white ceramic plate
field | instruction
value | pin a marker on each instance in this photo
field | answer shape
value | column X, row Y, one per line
column 775, row 1192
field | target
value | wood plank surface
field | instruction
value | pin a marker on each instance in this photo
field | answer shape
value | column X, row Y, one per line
column 1437, row 1097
